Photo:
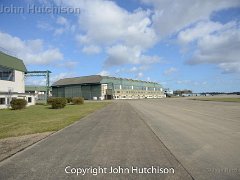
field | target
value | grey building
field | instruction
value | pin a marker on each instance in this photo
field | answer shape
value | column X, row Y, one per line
column 105, row 87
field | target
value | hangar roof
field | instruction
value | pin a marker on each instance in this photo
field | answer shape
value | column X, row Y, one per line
column 79, row 80
column 12, row 62
column 98, row 79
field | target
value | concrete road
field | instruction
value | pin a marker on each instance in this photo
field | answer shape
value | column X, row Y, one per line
column 203, row 136
column 116, row 136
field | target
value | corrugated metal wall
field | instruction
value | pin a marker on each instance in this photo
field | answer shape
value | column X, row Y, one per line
column 85, row 91
column 126, row 83
column 58, row 91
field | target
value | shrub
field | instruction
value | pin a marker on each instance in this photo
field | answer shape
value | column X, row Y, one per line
column 69, row 100
column 58, row 103
column 50, row 100
column 77, row 100
column 18, row 104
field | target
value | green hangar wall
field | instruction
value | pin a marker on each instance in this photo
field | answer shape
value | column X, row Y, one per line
column 105, row 87
column 86, row 91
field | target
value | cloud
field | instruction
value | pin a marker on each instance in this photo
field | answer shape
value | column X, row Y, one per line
column 183, row 81
column 171, row 17
column 139, row 68
column 148, row 79
column 124, row 35
column 30, row 51
column 40, row 81
column 35, row 81
column 63, row 26
column 127, row 36
column 69, row 64
column 104, row 73
column 120, row 54
column 91, row 49
column 139, row 75
column 220, row 48
column 134, row 71
column 44, row 26
column 58, row 26
column 59, row 76
column 62, row 21
column 115, row 24
column 200, row 30
column 170, row 71
column 59, row 31
column 230, row 67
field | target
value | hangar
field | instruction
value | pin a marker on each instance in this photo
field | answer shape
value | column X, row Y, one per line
column 106, row 87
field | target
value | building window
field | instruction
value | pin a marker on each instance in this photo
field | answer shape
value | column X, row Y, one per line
column 6, row 74
column 2, row 101
column 29, row 99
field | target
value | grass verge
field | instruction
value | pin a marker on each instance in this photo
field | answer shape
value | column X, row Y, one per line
column 39, row 118
column 218, row 99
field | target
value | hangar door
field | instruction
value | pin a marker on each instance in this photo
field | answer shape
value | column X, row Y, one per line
column 90, row 91
column 86, row 92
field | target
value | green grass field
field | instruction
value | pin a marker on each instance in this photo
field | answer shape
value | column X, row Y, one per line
column 218, row 99
column 40, row 118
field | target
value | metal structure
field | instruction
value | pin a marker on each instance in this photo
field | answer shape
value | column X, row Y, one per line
column 41, row 73
column 105, row 87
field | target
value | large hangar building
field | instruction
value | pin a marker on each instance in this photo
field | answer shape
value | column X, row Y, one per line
column 105, row 87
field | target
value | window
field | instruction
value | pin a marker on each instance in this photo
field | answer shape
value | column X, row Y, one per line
column 29, row 99
column 116, row 86
column 2, row 101
column 6, row 74
column 150, row 88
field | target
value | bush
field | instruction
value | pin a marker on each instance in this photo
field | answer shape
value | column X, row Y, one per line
column 69, row 100
column 50, row 100
column 58, row 103
column 77, row 100
column 18, row 104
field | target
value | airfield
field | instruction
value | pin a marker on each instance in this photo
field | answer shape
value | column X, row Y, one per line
column 199, row 139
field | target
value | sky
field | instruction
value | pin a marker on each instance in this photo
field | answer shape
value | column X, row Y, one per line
column 187, row 44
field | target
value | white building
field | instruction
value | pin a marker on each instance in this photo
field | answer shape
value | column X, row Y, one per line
column 12, row 81
column 39, row 91
column 168, row 91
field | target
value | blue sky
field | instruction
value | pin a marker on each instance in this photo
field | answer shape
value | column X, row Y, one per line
column 190, row 44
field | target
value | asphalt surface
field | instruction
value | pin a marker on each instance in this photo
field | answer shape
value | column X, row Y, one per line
column 203, row 136
column 117, row 135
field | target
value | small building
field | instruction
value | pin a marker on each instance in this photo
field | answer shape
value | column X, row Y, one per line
column 168, row 91
column 105, row 87
column 39, row 91
column 12, row 73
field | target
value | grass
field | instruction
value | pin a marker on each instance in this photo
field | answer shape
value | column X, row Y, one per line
column 218, row 99
column 39, row 118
